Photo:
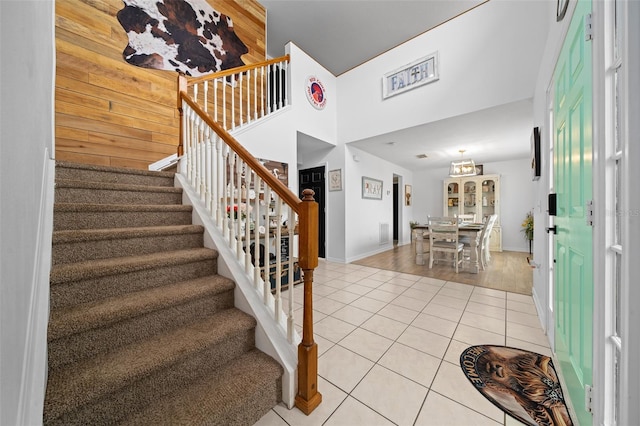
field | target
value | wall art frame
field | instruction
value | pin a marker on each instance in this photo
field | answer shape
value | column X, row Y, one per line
column 335, row 180
column 371, row 188
column 407, row 77
column 407, row 195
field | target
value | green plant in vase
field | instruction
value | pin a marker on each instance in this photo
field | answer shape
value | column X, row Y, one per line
column 527, row 228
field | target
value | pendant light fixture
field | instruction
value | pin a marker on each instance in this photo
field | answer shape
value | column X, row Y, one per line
column 463, row 167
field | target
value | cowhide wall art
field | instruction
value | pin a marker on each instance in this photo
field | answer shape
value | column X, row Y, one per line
column 109, row 112
column 188, row 36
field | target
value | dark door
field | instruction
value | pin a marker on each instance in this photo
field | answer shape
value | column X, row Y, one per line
column 314, row 179
column 395, row 212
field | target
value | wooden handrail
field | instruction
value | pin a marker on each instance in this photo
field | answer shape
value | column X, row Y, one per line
column 237, row 70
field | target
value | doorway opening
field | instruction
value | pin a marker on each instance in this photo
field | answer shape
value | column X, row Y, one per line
column 314, row 178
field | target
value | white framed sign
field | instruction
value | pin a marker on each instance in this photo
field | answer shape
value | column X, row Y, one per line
column 410, row 76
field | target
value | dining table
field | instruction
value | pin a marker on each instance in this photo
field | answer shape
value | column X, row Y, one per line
column 469, row 229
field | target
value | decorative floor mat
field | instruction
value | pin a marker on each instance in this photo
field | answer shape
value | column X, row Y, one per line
column 521, row 383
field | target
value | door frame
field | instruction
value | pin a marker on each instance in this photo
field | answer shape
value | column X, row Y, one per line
column 629, row 211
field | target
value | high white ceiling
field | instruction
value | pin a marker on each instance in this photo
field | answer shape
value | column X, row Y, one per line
column 341, row 35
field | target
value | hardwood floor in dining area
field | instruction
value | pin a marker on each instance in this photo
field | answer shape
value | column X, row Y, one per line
column 507, row 270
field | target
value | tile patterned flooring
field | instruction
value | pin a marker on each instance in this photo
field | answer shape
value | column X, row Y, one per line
column 389, row 346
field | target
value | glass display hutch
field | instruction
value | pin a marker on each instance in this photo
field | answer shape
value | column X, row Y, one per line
column 475, row 195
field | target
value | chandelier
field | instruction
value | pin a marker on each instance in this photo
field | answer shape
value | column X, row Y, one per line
column 462, row 167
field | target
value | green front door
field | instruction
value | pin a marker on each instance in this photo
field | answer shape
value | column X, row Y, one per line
column 573, row 248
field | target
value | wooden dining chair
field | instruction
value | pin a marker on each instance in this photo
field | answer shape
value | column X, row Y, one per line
column 443, row 238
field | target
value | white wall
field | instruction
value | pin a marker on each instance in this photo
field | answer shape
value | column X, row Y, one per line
column 276, row 138
column 481, row 66
column 26, row 204
column 364, row 216
column 516, row 197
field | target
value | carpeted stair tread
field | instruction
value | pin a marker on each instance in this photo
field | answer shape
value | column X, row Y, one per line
column 77, row 171
column 105, row 267
column 116, row 207
column 92, row 244
column 228, row 396
column 63, row 183
column 87, row 381
column 74, row 191
column 104, row 312
column 78, row 235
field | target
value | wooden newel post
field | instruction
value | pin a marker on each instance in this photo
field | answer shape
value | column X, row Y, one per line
column 181, row 87
column 308, row 397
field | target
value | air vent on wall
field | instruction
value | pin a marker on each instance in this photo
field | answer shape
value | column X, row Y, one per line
column 384, row 233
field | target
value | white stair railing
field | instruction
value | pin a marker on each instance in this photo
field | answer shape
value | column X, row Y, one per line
column 240, row 96
column 258, row 216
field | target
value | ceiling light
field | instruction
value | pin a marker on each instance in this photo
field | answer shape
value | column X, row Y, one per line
column 462, row 167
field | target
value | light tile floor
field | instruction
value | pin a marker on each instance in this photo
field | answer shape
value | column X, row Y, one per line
column 389, row 346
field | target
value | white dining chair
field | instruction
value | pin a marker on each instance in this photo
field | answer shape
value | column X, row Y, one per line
column 467, row 217
column 485, row 240
column 443, row 238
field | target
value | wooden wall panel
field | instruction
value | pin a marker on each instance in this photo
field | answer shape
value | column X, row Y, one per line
column 109, row 112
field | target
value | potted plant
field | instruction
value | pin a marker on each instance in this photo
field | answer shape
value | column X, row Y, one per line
column 527, row 228
column 413, row 225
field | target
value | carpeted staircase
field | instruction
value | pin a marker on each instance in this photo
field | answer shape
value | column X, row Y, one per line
column 142, row 330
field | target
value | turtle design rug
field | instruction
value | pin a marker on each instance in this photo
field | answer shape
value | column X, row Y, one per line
column 523, row 384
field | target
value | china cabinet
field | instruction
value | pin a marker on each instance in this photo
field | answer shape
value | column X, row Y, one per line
column 478, row 195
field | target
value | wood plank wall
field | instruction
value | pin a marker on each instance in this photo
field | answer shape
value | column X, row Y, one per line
column 109, row 112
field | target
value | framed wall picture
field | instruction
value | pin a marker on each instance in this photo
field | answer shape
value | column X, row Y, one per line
column 335, row 180
column 479, row 169
column 371, row 188
column 535, row 154
column 418, row 73
column 407, row 195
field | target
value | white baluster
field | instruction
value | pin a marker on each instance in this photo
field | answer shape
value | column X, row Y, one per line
column 195, row 92
column 278, row 301
column 290, row 316
column 215, row 99
column 239, row 166
column 283, row 83
column 247, row 224
column 255, row 93
column 224, row 105
column 226, row 227
column 220, row 213
column 233, row 105
column 256, row 235
column 262, row 92
column 231, row 165
column 205, row 92
column 240, row 98
column 267, row 234
column 208, row 180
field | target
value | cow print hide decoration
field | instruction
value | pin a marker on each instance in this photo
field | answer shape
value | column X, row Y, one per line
column 185, row 36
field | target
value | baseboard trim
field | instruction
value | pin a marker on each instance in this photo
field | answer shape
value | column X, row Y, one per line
column 34, row 367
